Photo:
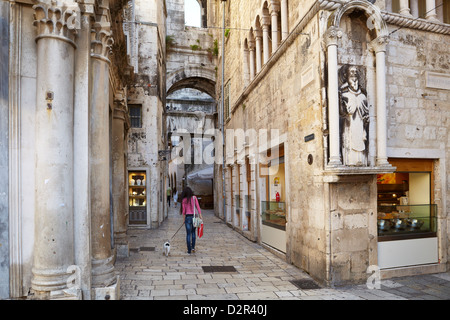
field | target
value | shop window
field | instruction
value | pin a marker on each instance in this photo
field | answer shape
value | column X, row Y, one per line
column 274, row 210
column 135, row 115
column 137, row 197
column 405, row 200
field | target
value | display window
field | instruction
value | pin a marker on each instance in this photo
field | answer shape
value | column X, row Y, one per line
column 405, row 201
column 274, row 210
column 137, row 197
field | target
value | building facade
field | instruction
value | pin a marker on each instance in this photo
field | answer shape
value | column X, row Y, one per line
column 145, row 28
column 64, row 122
column 336, row 123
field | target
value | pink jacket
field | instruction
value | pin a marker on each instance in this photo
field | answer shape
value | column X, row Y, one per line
column 189, row 208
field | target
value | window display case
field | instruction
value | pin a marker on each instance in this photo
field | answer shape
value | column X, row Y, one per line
column 137, row 197
column 274, row 214
column 398, row 222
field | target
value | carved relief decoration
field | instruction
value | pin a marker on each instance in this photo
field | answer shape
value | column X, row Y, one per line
column 53, row 20
column 354, row 116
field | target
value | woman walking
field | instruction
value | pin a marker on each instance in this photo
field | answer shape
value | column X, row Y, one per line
column 188, row 204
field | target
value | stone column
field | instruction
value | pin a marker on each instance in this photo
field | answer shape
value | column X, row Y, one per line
column 82, row 194
column 414, row 8
column 404, row 8
column 119, row 190
column 284, row 20
column 431, row 10
column 258, row 38
column 275, row 6
column 265, row 23
column 251, row 45
column 102, row 257
column 54, row 234
column 331, row 40
column 246, row 66
column 379, row 47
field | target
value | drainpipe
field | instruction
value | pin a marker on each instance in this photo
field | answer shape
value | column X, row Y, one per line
column 223, row 109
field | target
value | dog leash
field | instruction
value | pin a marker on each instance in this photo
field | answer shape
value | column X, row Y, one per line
column 177, row 231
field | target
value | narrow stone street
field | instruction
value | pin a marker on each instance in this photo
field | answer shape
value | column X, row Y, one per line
column 147, row 274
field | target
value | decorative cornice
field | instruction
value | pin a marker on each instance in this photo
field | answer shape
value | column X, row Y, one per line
column 395, row 18
column 415, row 23
column 57, row 21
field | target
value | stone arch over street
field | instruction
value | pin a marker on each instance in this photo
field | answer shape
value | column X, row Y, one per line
column 202, row 79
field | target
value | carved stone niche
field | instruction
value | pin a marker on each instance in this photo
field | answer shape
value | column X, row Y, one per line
column 353, row 116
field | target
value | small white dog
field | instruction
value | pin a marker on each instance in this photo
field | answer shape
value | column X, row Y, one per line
column 166, row 248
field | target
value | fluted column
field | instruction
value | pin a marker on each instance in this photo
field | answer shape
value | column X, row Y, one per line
column 275, row 9
column 331, row 40
column 54, row 228
column 265, row 24
column 379, row 47
column 102, row 257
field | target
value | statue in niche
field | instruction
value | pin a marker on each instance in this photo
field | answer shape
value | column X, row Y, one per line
column 354, row 113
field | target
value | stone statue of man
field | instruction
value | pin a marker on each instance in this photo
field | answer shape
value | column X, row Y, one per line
column 355, row 115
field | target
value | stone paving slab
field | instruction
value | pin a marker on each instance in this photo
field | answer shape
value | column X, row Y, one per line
column 260, row 275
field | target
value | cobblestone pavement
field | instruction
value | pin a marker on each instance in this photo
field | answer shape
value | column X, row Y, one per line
column 147, row 274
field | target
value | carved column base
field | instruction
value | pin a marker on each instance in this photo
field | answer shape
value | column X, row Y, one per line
column 49, row 280
column 103, row 274
column 111, row 292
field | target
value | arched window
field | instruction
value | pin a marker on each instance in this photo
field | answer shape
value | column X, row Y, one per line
column 192, row 13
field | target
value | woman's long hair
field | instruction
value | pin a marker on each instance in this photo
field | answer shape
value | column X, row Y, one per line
column 187, row 193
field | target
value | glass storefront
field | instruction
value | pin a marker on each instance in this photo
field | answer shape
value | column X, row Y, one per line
column 273, row 207
column 407, row 217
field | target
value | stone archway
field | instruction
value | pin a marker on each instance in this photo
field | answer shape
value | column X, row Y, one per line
column 202, row 79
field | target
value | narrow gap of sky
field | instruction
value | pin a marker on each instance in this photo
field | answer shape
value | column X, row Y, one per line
column 192, row 13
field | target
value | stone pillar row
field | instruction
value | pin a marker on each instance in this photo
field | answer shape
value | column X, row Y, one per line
column 430, row 6
column 55, row 239
column 267, row 27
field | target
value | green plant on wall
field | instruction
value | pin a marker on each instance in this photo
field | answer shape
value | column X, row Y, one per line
column 195, row 47
column 227, row 32
column 170, row 42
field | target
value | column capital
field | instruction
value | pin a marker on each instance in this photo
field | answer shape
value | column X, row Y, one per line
column 101, row 41
column 274, row 7
column 258, row 34
column 265, row 21
column 332, row 35
column 55, row 20
column 251, row 45
column 379, row 44
column 101, row 35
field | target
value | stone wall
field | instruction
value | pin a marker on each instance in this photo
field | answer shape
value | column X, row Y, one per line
column 331, row 218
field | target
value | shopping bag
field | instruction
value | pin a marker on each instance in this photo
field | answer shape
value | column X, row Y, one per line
column 200, row 231
column 196, row 220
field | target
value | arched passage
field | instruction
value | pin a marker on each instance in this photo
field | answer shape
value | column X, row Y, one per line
column 191, row 117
